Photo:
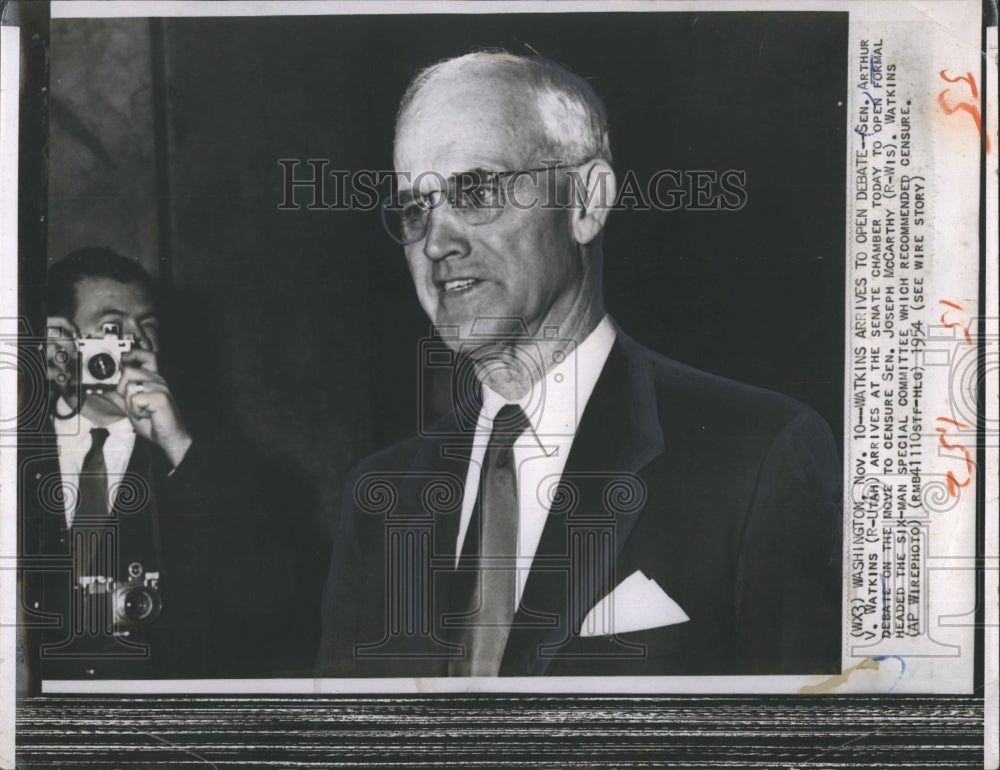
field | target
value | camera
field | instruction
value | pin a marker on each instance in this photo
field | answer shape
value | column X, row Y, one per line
column 130, row 603
column 101, row 358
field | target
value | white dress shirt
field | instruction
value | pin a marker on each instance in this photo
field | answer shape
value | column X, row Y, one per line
column 73, row 439
column 554, row 407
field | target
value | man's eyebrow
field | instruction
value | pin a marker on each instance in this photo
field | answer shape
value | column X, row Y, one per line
column 477, row 171
column 470, row 178
column 118, row 311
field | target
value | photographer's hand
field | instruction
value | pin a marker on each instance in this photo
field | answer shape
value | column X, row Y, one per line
column 60, row 353
column 150, row 406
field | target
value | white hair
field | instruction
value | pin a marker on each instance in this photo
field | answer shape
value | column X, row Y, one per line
column 573, row 116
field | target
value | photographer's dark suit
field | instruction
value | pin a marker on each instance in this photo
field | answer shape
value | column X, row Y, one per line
column 726, row 495
column 198, row 526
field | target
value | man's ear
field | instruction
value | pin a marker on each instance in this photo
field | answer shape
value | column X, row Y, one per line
column 593, row 190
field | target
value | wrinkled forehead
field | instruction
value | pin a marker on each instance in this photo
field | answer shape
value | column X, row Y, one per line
column 465, row 123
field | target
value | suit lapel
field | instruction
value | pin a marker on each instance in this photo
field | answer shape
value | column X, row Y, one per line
column 135, row 511
column 430, row 500
column 134, row 488
column 600, row 498
column 41, row 509
column 433, row 487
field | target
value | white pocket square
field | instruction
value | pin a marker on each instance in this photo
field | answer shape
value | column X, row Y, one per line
column 635, row 604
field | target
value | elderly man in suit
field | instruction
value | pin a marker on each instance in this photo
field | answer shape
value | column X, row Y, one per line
column 592, row 508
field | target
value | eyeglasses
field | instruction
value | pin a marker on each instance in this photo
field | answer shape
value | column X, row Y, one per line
column 478, row 197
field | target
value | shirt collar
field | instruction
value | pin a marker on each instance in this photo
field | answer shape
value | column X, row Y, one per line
column 555, row 404
column 76, row 429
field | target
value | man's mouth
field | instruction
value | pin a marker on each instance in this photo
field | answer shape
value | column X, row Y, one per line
column 458, row 285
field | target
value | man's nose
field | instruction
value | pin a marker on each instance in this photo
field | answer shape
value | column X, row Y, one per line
column 445, row 236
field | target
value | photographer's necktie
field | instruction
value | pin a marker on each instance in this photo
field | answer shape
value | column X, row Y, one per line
column 91, row 516
column 486, row 639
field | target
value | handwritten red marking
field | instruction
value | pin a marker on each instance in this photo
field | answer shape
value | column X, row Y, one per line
column 967, row 106
column 950, row 479
column 952, row 325
column 954, row 484
column 967, row 77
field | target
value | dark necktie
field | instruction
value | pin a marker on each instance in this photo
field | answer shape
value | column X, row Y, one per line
column 494, row 607
column 90, row 520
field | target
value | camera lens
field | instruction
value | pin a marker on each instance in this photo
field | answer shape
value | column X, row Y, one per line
column 102, row 366
column 140, row 605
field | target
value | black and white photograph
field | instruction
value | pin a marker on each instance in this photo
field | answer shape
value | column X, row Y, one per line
column 374, row 362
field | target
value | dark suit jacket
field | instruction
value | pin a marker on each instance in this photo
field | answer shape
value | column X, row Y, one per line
column 198, row 527
column 726, row 495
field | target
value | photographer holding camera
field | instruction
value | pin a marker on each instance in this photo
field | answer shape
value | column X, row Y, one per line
column 135, row 389
column 146, row 535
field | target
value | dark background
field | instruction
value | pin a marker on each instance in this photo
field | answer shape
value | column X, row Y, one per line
column 301, row 328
